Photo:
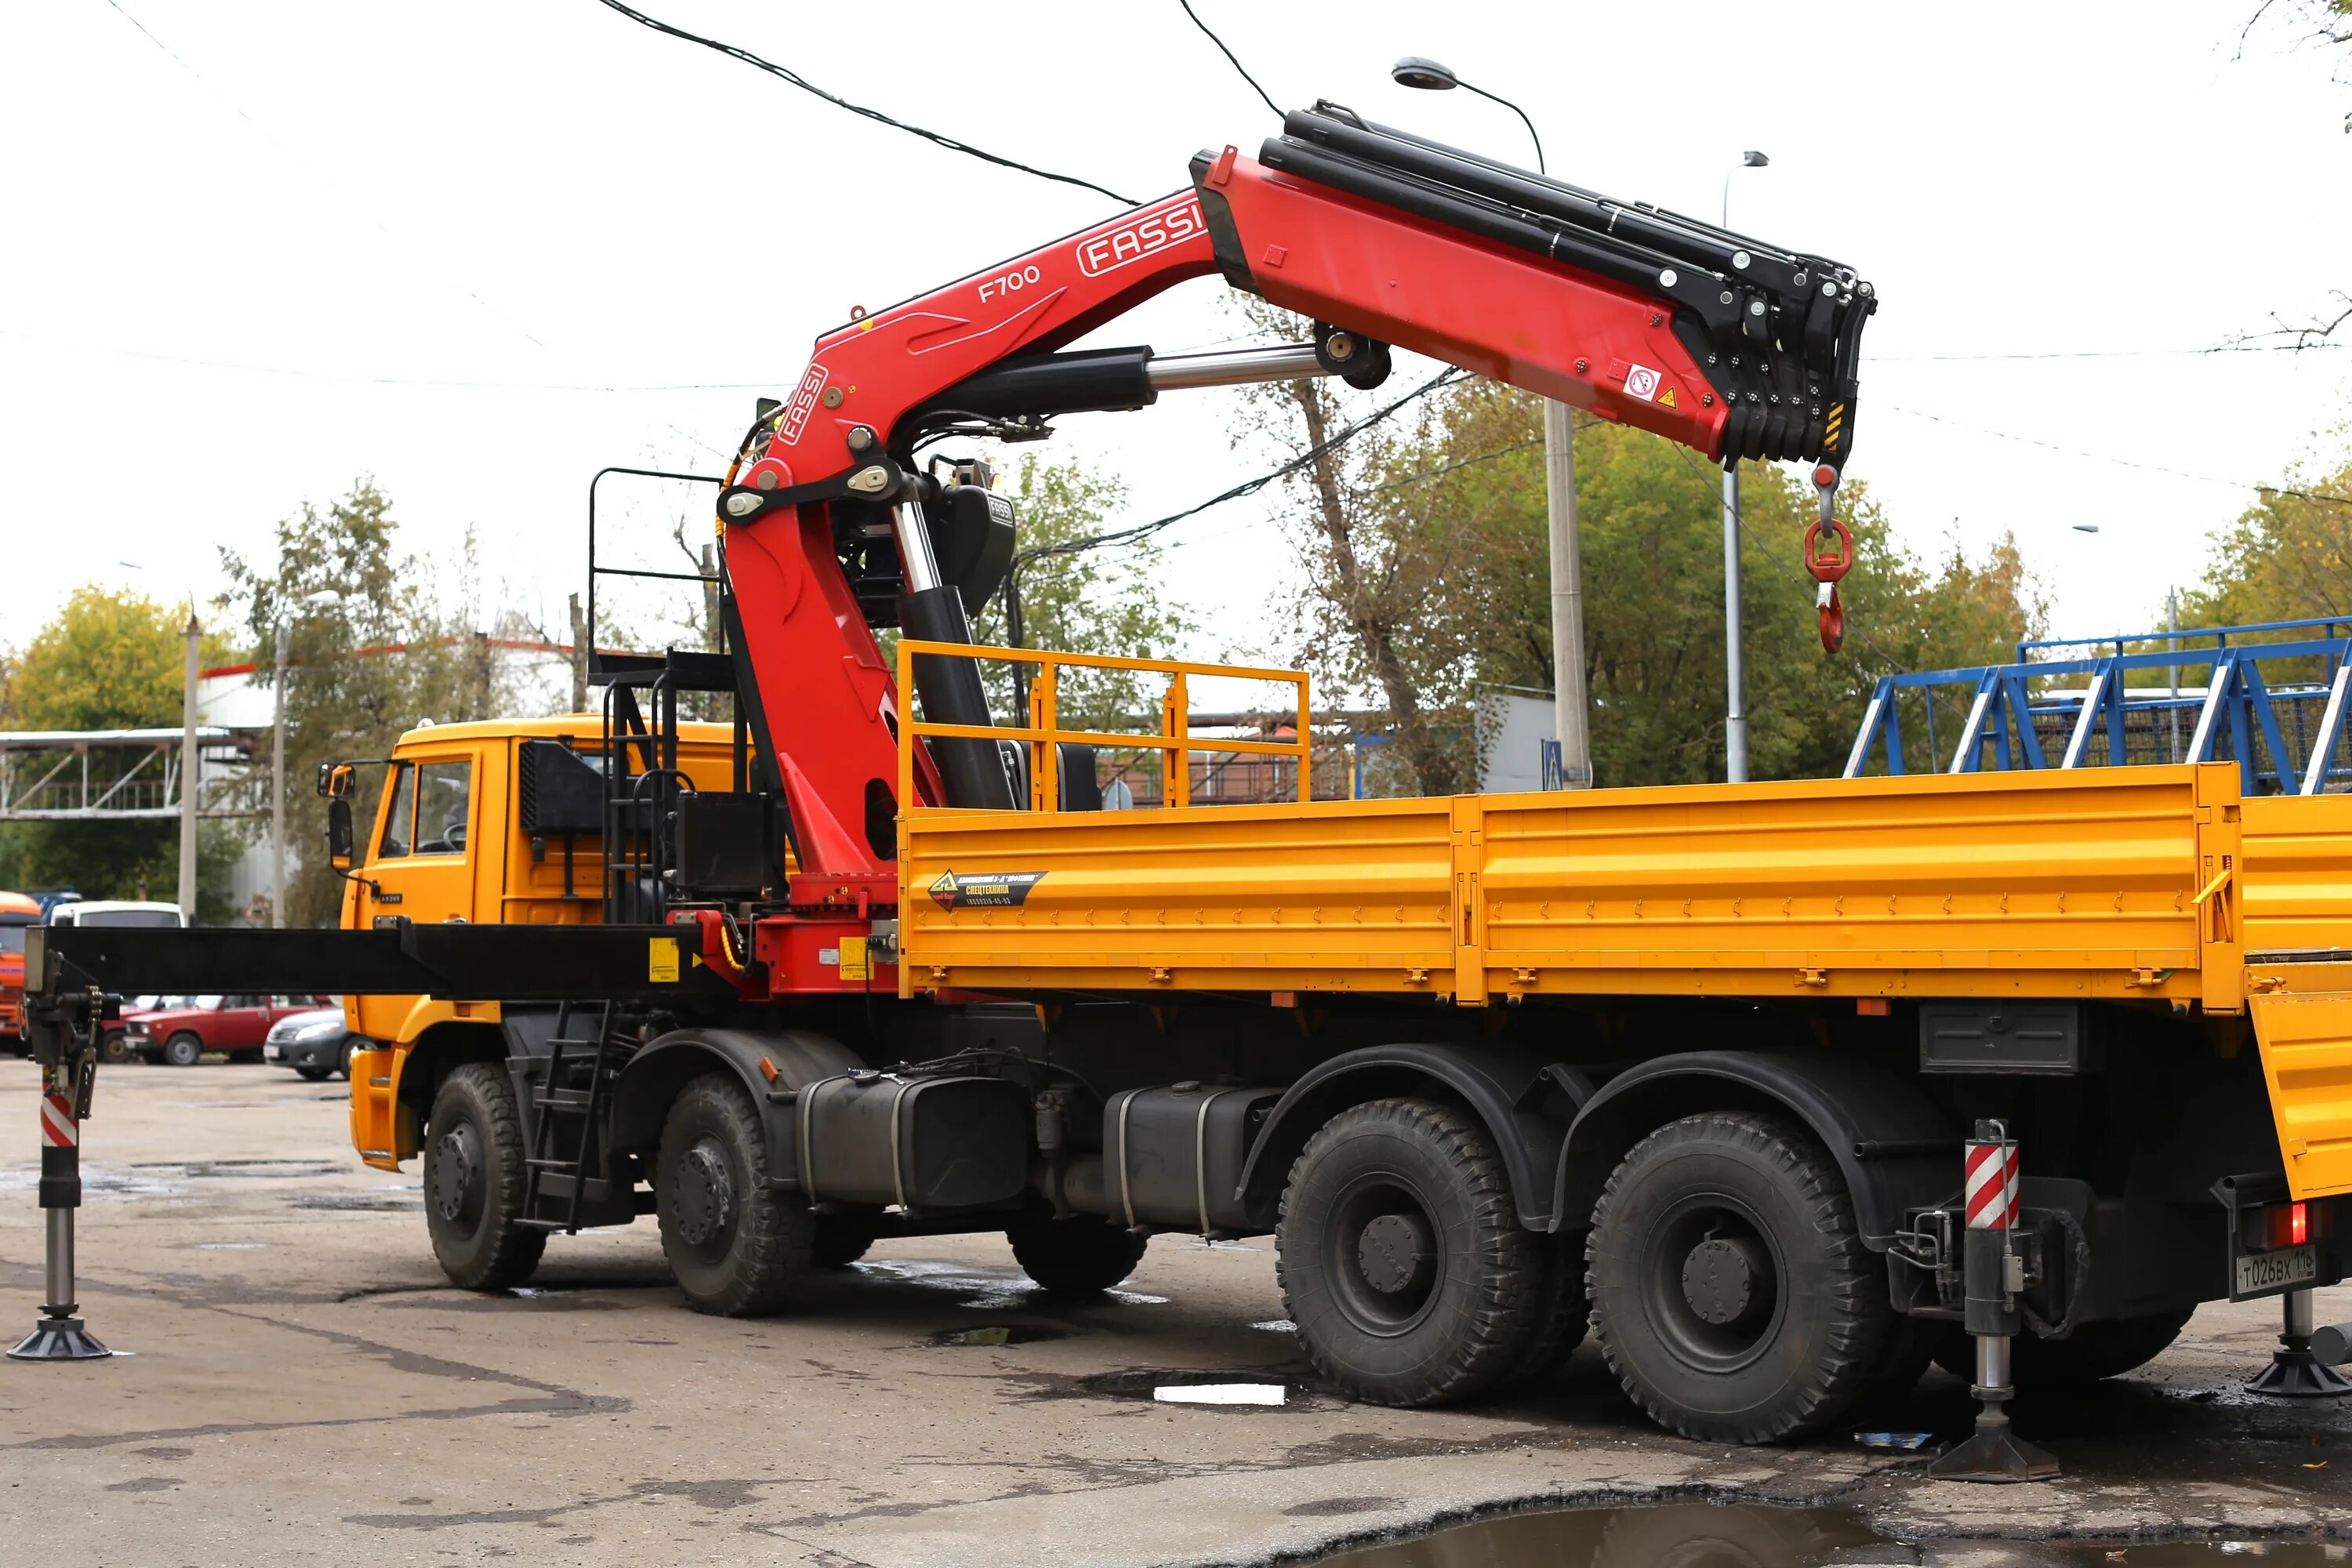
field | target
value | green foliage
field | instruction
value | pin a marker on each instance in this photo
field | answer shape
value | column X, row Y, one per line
column 111, row 660
column 1084, row 602
column 2286, row 557
column 363, row 671
column 1448, row 531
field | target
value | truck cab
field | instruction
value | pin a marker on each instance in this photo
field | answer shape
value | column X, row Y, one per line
column 489, row 823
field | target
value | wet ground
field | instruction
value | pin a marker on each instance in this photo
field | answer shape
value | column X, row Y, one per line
column 306, row 1390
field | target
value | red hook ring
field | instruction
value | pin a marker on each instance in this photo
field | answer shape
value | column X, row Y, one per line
column 1828, row 568
column 1832, row 624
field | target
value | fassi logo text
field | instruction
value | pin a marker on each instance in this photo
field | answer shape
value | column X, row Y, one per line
column 1140, row 236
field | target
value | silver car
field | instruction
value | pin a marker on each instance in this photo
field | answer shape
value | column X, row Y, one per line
column 315, row 1044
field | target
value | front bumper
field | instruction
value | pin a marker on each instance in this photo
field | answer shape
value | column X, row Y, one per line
column 326, row 1053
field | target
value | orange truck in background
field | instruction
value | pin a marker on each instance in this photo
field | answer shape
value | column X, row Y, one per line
column 16, row 913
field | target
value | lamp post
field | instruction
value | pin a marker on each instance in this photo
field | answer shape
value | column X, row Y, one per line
column 1735, row 713
column 317, row 601
column 1569, row 700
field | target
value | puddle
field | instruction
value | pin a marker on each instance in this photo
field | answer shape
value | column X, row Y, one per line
column 1262, row 1394
column 98, row 1180
column 998, row 1335
column 1703, row 1535
column 247, row 1170
column 1276, row 1326
column 1266, row 1388
column 381, row 1203
column 232, row 1247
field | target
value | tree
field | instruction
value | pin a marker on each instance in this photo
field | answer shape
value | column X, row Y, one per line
column 1082, row 601
column 110, row 661
column 384, row 659
column 2287, row 557
column 1427, row 555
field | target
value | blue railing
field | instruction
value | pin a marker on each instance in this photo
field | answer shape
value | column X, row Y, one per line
column 2285, row 731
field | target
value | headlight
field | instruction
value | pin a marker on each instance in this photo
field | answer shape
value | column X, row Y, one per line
column 318, row 1031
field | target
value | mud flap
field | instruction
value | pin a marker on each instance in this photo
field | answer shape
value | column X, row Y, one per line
column 2303, row 1020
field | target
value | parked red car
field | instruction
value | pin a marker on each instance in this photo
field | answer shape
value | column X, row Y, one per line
column 236, row 1024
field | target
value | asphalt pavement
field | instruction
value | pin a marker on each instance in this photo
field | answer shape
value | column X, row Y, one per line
column 303, row 1388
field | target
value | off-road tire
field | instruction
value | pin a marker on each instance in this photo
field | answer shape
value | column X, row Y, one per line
column 1813, row 1325
column 314, row 1074
column 841, row 1239
column 183, row 1049
column 1563, row 1314
column 1081, row 1256
column 2108, row 1348
column 738, row 1253
column 474, row 1155
column 1910, row 1349
column 1402, row 1257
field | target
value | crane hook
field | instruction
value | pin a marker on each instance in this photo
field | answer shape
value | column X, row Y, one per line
column 1827, row 568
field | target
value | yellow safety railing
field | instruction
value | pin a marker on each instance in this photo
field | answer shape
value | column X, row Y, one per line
column 1044, row 733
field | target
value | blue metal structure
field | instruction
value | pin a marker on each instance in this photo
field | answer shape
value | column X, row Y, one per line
column 2285, row 731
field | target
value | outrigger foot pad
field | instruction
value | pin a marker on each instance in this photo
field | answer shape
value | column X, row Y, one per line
column 1995, row 1453
column 2296, row 1374
column 58, row 1339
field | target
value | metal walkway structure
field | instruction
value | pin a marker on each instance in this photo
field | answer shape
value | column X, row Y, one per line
column 2269, row 697
column 47, row 775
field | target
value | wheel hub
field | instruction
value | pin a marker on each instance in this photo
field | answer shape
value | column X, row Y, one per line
column 1721, row 1279
column 456, row 1172
column 702, row 1193
column 1395, row 1252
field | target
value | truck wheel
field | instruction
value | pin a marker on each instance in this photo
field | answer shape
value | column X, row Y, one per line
column 1402, row 1258
column 739, row 1249
column 184, row 1050
column 841, row 1239
column 1078, row 1257
column 474, row 1182
column 1732, row 1294
column 2108, row 1348
column 1563, row 1314
column 1911, row 1348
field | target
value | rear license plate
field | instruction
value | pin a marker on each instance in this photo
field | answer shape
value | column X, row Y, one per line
column 270, row 1053
column 2290, row 1265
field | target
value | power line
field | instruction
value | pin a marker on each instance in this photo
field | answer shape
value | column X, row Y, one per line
column 435, row 383
column 1247, row 486
column 2120, row 462
column 1231, row 56
column 2099, row 353
column 787, row 75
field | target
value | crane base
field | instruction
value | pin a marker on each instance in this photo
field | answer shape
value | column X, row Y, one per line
column 58, row 1339
column 2296, row 1373
column 1995, row 1453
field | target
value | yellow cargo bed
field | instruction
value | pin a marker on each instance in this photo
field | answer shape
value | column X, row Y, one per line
column 2143, row 883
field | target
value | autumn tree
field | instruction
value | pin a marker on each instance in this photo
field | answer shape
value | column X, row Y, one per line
column 388, row 654
column 110, row 659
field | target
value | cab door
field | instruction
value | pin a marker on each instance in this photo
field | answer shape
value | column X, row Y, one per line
column 421, row 863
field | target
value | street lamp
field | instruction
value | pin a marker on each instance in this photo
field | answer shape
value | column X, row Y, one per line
column 1568, row 700
column 1430, row 77
column 321, row 600
column 1734, row 716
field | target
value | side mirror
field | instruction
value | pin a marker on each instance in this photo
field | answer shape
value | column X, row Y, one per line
column 338, row 832
column 335, row 780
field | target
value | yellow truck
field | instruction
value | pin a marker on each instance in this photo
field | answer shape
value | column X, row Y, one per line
column 1779, row 1090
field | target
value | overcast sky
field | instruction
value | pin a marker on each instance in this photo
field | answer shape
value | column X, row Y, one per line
column 480, row 250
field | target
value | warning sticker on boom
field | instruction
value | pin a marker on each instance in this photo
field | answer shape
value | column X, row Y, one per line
column 984, row 890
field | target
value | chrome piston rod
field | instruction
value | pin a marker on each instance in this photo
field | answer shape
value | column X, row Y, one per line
column 1235, row 367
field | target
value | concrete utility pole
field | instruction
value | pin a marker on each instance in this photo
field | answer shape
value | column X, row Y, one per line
column 1568, row 700
column 191, row 766
column 579, row 651
column 1735, row 713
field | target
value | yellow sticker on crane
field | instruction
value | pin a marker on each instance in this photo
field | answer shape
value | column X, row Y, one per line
column 661, row 960
column 1666, row 398
column 854, row 964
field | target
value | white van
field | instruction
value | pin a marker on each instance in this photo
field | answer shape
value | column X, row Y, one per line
column 116, row 913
